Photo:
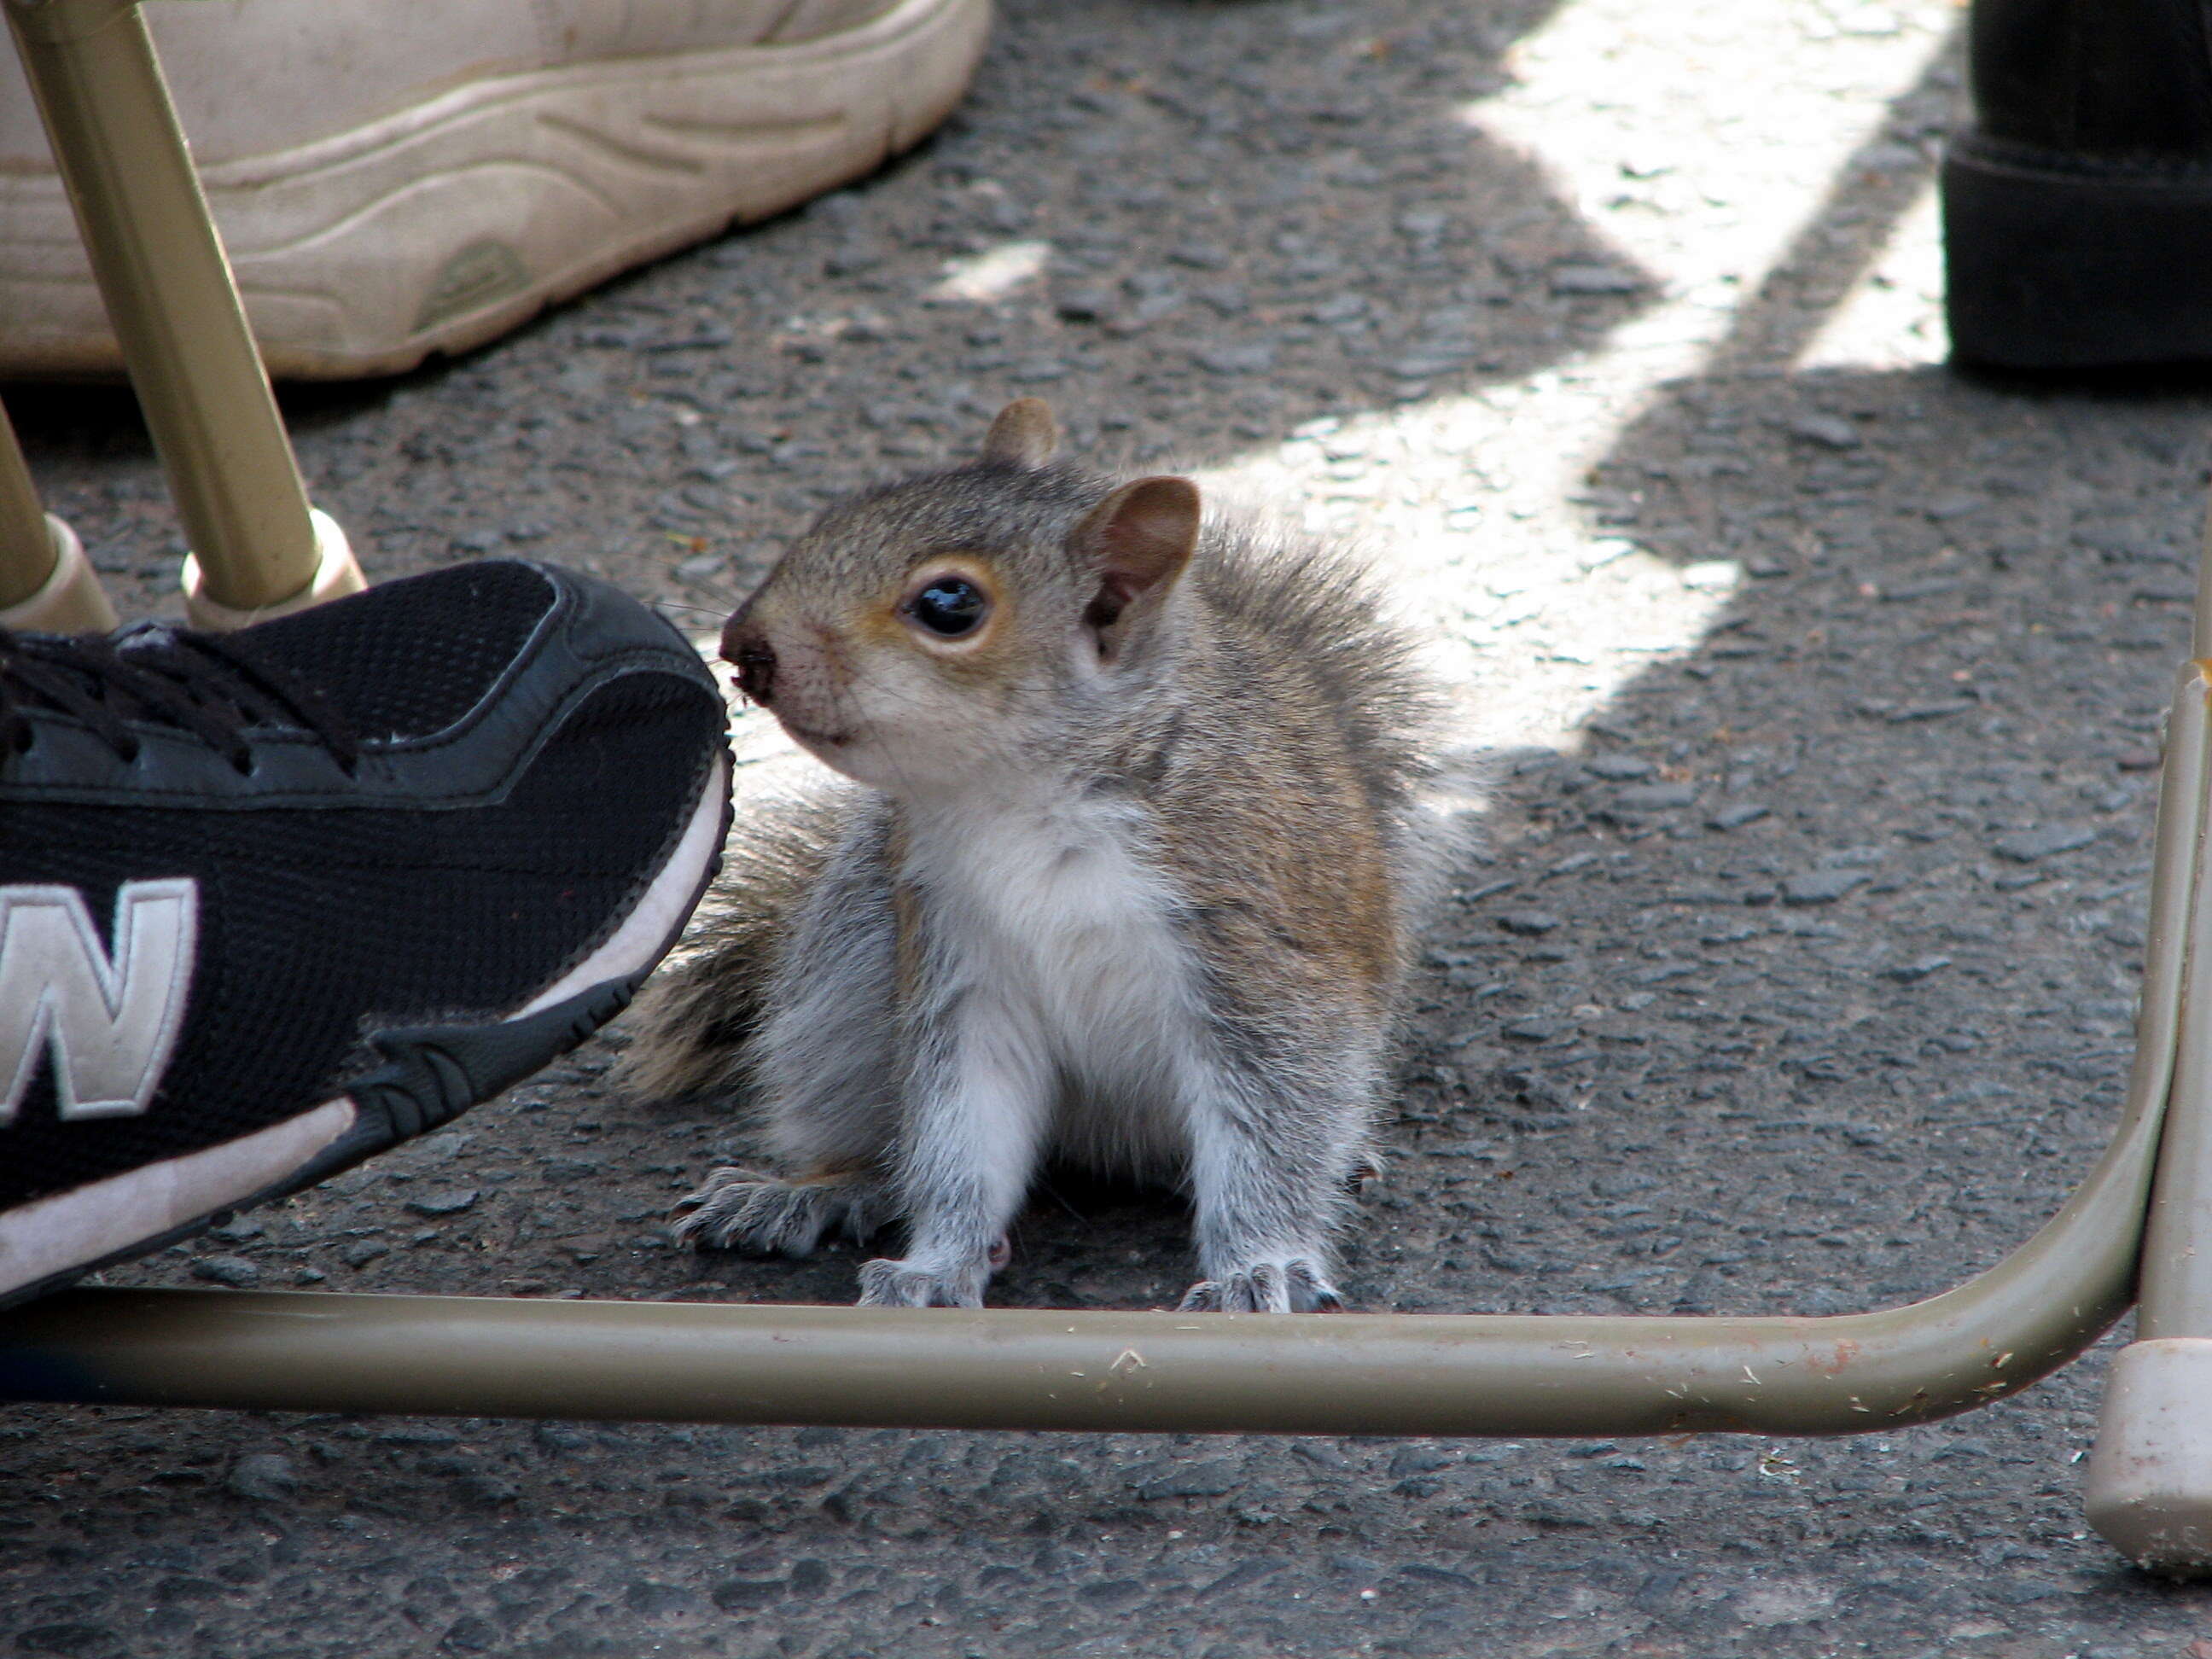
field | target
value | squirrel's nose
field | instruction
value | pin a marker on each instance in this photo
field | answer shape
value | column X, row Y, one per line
column 745, row 647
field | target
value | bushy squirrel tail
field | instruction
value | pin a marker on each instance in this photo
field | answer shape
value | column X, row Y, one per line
column 696, row 1018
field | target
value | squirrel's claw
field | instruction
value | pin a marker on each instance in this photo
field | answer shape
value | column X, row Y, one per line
column 1295, row 1284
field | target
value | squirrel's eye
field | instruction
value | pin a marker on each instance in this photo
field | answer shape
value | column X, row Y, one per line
column 948, row 607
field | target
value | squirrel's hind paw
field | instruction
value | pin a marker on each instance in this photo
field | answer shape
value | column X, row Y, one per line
column 760, row 1215
column 886, row 1284
column 1294, row 1284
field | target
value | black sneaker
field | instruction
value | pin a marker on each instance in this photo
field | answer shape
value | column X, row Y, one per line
column 273, row 900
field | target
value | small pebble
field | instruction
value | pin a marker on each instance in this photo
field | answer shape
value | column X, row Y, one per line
column 1829, row 431
column 2026, row 845
column 1419, row 1458
column 1256, row 358
column 1736, row 816
column 1656, row 796
column 1820, row 886
column 1538, row 1030
column 1955, row 505
column 1931, row 711
column 471, row 1633
column 1594, row 279
column 748, row 1594
column 232, row 1270
column 1426, row 365
column 264, row 1477
column 1199, row 256
column 1930, row 588
column 1084, row 305
column 1619, row 769
column 412, row 1435
column 1529, row 923
column 1211, row 1478
column 451, row 1201
column 1912, row 972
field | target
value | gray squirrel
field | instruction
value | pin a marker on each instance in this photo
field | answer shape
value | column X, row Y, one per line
column 1127, row 879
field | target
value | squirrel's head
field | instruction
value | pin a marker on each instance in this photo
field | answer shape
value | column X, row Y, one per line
column 964, row 620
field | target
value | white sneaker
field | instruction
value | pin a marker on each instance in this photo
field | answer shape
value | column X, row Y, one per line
column 393, row 178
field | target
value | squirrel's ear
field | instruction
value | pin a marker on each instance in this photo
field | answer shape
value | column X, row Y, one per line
column 1136, row 542
column 1025, row 434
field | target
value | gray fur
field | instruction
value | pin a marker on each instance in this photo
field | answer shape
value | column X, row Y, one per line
column 699, row 1013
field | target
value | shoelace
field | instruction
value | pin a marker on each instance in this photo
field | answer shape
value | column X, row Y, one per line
column 215, row 688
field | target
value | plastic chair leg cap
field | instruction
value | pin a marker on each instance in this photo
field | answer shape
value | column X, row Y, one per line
column 70, row 600
column 336, row 574
column 2150, row 1478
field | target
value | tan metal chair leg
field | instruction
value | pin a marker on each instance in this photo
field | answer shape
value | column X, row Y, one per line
column 2150, row 1480
column 175, row 310
column 46, row 584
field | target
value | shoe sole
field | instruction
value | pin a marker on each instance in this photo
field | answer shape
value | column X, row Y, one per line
column 430, row 1075
column 444, row 225
column 2052, row 267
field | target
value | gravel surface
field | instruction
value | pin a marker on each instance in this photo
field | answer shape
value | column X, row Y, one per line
column 1820, row 688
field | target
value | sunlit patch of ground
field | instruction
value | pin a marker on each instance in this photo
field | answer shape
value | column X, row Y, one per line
column 1481, row 507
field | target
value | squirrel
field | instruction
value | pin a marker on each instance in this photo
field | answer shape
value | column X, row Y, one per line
column 1127, row 878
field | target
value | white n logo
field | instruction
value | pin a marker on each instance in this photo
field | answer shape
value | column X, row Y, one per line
column 109, row 1021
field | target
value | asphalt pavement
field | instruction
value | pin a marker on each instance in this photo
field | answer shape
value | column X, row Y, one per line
column 1818, row 691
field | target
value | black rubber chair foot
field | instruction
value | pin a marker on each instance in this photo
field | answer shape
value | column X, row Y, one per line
column 2058, row 266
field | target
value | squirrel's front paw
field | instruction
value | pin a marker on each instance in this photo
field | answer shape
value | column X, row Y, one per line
column 885, row 1284
column 1291, row 1284
column 761, row 1215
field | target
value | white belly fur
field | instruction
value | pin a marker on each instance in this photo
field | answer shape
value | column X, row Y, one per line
column 1061, row 934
